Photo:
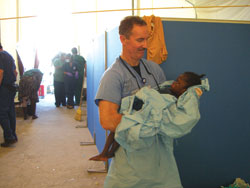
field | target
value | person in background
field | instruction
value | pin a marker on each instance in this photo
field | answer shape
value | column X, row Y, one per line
column 28, row 91
column 70, row 79
column 81, row 66
column 8, row 76
column 59, row 88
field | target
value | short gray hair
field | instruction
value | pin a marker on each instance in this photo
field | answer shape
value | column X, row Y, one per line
column 126, row 25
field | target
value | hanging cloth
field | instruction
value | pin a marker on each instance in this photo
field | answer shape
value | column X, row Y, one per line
column 157, row 51
column 20, row 64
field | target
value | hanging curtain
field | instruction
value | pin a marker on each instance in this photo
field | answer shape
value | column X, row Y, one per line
column 36, row 65
column 20, row 64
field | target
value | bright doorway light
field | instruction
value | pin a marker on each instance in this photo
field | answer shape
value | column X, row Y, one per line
column 54, row 34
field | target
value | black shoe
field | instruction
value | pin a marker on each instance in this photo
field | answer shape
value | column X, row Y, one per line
column 34, row 117
column 8, row 143
column 70, row 107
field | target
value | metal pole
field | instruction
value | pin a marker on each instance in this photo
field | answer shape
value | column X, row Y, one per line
column 133, row 7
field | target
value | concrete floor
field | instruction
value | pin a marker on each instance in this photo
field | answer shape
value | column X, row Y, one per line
column 48, row 153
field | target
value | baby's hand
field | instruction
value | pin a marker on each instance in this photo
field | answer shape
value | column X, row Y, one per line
column 198, row 91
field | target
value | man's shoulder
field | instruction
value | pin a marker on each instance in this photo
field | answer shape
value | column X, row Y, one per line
column 80, row 58
column 115, row 66
column 6, row 58
column 150, row 63
column 114, row 70
column 56, row 59
column 5, row 54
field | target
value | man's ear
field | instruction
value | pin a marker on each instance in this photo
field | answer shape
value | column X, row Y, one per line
column 122, row 39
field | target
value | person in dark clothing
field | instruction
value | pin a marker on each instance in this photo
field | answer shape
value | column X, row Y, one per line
column 183, row 82
column 28, row 91
column 8, row 75
column 70, row 79
column 81, row 66
column 59, row 88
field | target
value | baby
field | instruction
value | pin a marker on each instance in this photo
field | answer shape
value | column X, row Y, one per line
column 178, row 87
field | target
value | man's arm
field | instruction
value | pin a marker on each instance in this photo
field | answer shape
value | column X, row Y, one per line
column 1, row 76
column 109, row 116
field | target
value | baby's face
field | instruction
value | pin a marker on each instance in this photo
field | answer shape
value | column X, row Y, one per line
column 179, row 86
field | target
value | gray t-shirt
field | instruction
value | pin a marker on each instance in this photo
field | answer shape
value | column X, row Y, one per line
column 118, row 82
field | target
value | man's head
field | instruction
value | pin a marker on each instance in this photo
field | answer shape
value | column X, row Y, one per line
column 1, row 47
column 133, row 35
column 184, row 81
column 74, row 51
column 68, row 58
column 128, row 23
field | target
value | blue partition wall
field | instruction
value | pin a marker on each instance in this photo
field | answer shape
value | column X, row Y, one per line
column 114, row 46
column 95, row 69
column 90, row 90
column 218, row 149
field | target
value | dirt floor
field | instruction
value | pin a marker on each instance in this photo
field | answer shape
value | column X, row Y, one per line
column 48, row 153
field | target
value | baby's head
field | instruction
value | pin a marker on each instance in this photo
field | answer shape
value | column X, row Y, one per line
column 184, row 81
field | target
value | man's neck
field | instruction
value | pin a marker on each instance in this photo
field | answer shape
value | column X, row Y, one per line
column 132, row 62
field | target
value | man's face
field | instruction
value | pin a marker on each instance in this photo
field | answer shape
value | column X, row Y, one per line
column 136, row 44
column 179, row 86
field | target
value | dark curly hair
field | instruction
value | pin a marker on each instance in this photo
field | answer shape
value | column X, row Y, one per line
column 192, row 78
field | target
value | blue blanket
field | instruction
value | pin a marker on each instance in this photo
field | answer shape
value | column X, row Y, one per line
column 145, row 158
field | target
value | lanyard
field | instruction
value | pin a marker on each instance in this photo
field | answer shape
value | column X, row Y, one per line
column 142, row 79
